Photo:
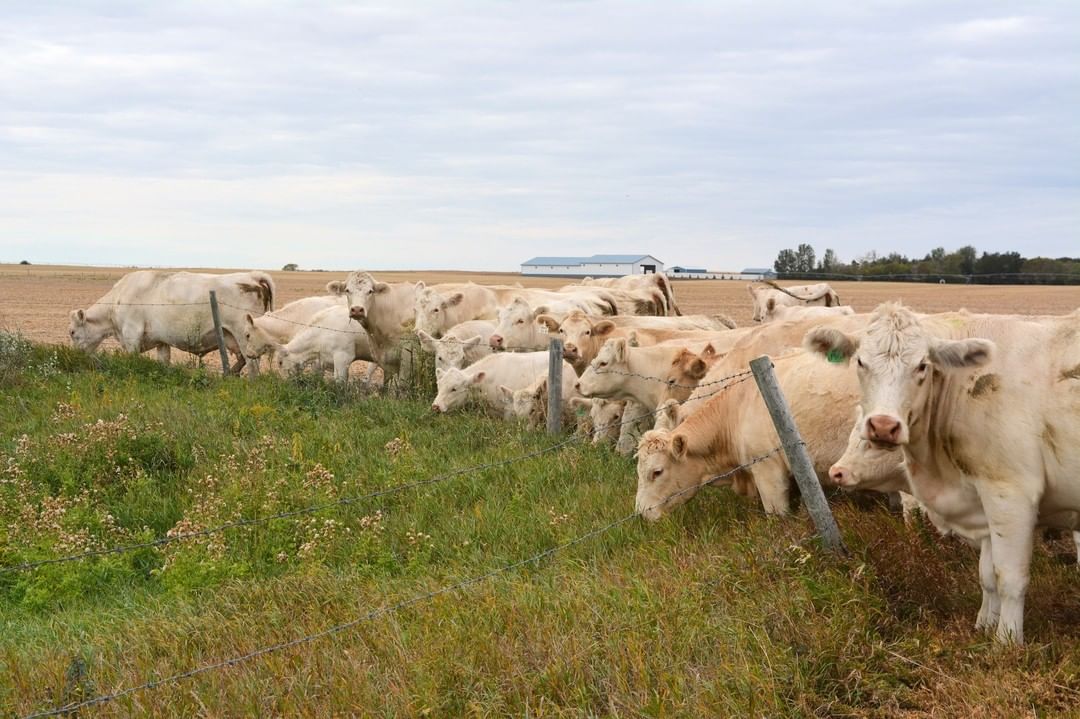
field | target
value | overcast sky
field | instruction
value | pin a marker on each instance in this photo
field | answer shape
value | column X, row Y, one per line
column 475, row 135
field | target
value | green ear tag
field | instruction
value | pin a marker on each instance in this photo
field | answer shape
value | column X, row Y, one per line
column 835, row 356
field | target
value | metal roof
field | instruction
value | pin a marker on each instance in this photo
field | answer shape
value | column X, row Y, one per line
column 758, row 271
column 595, row 259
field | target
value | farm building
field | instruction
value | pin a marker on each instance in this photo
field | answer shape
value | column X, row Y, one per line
column 758, row 273
column 594, row 266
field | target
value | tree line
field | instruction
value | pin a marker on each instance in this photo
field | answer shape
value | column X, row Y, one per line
column 962, row 265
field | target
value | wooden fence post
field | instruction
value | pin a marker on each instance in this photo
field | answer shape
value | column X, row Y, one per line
column 220, row 333
column 554, row 408
column 798, row 458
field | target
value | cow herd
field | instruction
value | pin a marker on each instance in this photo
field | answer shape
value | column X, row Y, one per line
column 974, row 418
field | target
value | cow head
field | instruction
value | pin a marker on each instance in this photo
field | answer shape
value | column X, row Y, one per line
column 85, row 332
column 868, row 465
column 519, row 328
column 363, row 290
column 256, row 341
column 605, row 374
column 582, row 337
column 669, row 474
column 449, row 352
column 687, row 370
column 455, row 388
column 432, row 310
column 602, row 418
column 287, row 362
column 529, row 403
column 897, row 358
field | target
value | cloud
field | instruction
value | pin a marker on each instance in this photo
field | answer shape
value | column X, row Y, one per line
column 474, row 136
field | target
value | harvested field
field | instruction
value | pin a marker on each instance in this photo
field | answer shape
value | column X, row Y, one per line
column 35, row 300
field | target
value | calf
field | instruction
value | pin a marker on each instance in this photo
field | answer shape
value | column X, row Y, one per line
column 481, row 381
column 461, row 346
column 333, row 340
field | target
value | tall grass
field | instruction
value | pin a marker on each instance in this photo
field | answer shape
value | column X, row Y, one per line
column 720, row 611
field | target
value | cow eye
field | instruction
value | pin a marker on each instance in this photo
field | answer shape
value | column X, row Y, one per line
column 657, row 472
column 859, row 361
column 520, row 322
column 562, row 331
column 921, row 368
column 588, row 333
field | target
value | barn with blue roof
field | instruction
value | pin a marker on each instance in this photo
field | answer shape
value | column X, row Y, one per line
column 593, row 266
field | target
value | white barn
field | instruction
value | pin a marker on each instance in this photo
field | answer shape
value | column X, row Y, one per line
column 594, row 266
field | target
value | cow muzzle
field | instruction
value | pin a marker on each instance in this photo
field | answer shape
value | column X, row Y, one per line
column 357, row 313
column 570, row 352
column 842, row 476
column 436, row 409
column 495, row 342
column 884, row 429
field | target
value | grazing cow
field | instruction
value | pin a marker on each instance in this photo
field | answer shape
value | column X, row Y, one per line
column 647, row 375
column 480, row 381
column 531, row 403
column 437, row 310
column 602, row 418
column 656, row 281
column 332, row 340
column 784, row 313
column 819, row 294
column 462, row 345
column 152, row 309
column 263, row 332
column 733, row 427
column 583, row 335
column 987, row 412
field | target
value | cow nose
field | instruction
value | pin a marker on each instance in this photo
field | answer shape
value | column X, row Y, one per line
column 356, row 312
column 883, row 428
column 841, row 476
column 435, row 408
column 496, row 341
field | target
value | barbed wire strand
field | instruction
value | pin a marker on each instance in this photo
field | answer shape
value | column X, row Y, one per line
column 390, row 608
column 346, row 501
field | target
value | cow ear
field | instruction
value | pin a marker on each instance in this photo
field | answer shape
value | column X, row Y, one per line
column 709, row 352
column 455, row 299
column 426, row 340
column 668, row 416
column 697, row 369
column 472, row 342
column 618, row 346
column 420, row 285
column 479, row 377
column 335, row 287
column 958, row 354
column 506, row 393
column 381, row 287
column 78, row 316
column 550, row 322
column 680, row 446
column 249, row 320
column 439, row 372
column 580, row 402
column 771, row 304
column 603, row 327
column 541, row 310
column 834, row 345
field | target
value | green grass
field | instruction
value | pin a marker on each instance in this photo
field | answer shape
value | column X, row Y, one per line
column 719, row 611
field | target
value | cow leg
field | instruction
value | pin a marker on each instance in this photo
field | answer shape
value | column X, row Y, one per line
column 908, row 506
column 164, row 354
column 342, row 360
column 771, row 481
column 990, row 610
column 1011, row 517
column 1076, row 541
column 630, row 429
column 253, row 367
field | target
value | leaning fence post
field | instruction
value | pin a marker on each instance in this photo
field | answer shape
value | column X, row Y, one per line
column 798, row 458
column 554, row 408
column 220, row 333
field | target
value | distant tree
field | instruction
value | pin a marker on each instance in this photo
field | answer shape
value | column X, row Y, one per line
column 829, row 261
column 25, row 262
column 291, row 267
column 786, row 261
column 966, row 255
column 805, row 257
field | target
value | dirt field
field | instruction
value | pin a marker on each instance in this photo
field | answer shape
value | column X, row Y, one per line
column 35, row 300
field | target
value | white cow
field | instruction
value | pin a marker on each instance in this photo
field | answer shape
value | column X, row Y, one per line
column 600, row 418
column 785, row 313
column 333, row 340
column 656, row 281
column 480, row 381
column 773, row 295
column 263, row 332
column 531, row 403
column 987, row 412
column 462, row 345
column 153, row 309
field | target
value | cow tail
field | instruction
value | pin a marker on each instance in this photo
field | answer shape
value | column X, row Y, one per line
column 669, row 294
column 267, row 291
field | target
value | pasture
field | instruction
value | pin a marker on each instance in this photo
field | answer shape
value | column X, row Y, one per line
column 716, row 611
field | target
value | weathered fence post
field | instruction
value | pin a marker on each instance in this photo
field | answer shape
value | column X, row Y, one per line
column 554, row 408
column 220, row 333
column 798, row 458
